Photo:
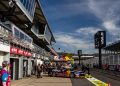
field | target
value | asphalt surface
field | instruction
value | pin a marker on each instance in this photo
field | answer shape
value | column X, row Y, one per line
column 101, row 76
column 59, row 81
column 45, row 81
column 81, row 82
column 105, row 78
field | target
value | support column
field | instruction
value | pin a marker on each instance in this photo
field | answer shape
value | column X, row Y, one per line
column 20, row 67
column 100, row 59
column 109, row 56
column 29, row 66
column 14, row 70
column 105, row 57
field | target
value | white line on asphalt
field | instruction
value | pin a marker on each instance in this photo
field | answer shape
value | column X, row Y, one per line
column 95, row 81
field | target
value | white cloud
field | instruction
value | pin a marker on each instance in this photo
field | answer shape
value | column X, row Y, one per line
column 112, row 28
column 105, row 9
column 109, row 25
column 74, row 43
column 82, row 38
column 108, row 11
column 88, row 30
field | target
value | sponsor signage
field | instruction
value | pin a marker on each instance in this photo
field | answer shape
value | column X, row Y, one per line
column 25, row 53
column 79, row 52
column 14, row 50
column 100, row 39
column 20, row 52
column 29, row 54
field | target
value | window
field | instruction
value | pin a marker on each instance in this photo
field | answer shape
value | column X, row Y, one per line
column 35, row 29
column 29, row 5
column 22, row 1
column 48, row 34
column 17, row 34
column 28, row 39
column 21, row 36
column 25, row 37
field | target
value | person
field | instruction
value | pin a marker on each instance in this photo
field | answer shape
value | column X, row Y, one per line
column 39, row 71
column 5, row 76
column 45, row 68
column 42, row 69
column 75, row 66
column 88, row 68
column 49, row 69
column 83, row 68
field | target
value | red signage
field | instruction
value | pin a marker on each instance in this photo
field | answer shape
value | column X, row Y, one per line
column 29, row 54
column 13, row 50
column 20, row 52
column 25, row 53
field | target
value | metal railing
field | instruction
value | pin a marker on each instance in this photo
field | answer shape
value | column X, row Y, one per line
column 4, row 35
column 7, row 37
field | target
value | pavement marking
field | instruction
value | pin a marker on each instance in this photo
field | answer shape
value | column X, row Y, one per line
column 95, row 81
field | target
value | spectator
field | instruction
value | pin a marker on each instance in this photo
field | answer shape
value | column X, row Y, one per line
column 5, row 76
column 88, row 68
column 39, row 71
column 49, row 69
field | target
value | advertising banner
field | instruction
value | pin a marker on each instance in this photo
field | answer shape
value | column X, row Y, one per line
column 13, row 50
column 18, row 51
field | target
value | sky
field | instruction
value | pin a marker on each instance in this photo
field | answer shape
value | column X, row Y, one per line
column 74, row 22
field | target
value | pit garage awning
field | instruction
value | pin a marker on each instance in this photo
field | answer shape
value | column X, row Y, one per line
column 52, row 50
column 14, row 14
column 39, row 13
column 82, row 57
column 113, row 46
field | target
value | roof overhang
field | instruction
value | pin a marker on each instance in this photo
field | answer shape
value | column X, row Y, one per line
column 41, row 16
column 52, row 51
column 16, row 16
column 36, row 40
column 113, row 46
column 20, row 19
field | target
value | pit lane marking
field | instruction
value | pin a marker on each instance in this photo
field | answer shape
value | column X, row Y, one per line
column 95, row 81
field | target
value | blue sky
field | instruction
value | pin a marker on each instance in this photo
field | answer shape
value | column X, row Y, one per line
column 74, row 22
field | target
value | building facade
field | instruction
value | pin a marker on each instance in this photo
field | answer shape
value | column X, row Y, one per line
column 24, row 36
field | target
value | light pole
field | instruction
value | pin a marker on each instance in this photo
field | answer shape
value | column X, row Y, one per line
column 100, row 42
column 79, row 55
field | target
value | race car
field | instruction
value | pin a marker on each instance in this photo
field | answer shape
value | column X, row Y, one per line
column 61, row 72
column 77, row 74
